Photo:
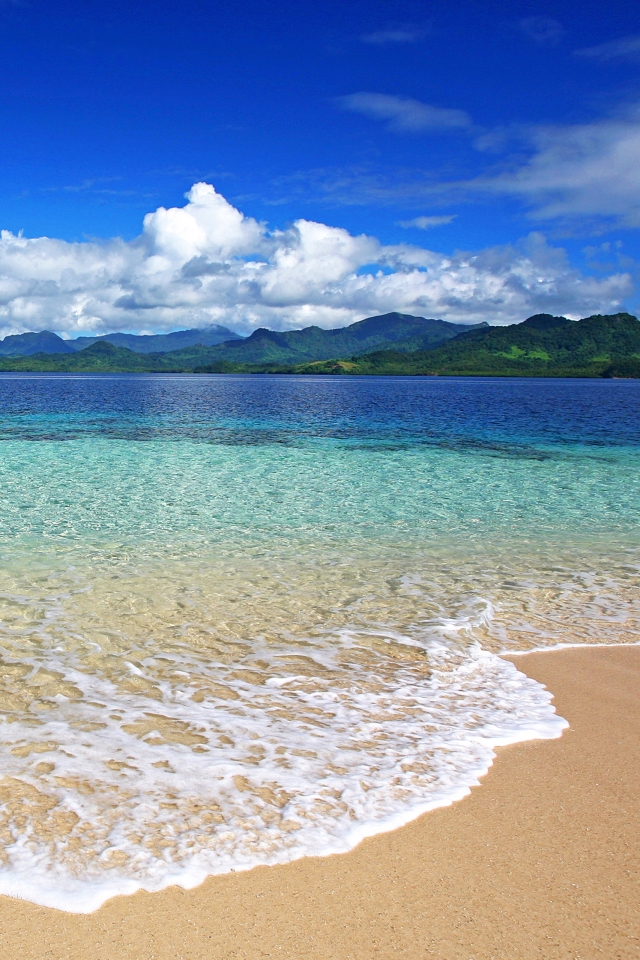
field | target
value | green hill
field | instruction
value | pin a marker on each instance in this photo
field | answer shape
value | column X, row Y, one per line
column 404, row 332
column 543, row 346
column 543, row 343
column 158, row 342
column 99, row 358
column 264, row 348
column 26, row 344
column 105, row 357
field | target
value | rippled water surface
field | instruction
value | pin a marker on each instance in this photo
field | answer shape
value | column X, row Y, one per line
column 247, row 618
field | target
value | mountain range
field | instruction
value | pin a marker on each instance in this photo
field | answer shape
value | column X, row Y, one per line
column 542, row 345
column 404, row 332
column 221, row 346
column 392, row 344
column 29, row 344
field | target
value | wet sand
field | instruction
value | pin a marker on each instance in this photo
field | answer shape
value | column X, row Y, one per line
column 541, row 861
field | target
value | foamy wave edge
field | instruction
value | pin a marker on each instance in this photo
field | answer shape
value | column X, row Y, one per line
column 82, row 896
column 564, row 646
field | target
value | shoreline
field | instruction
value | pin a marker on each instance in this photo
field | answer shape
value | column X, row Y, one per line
column 319, row 374
column 537, row 862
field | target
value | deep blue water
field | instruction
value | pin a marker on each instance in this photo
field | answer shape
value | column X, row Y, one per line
column 295, row 410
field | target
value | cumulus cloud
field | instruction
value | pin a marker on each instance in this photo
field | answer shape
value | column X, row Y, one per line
column 425, row 223
column 544, row 31
column 405, row 115
column 207, row 226
column 580, row 172
column 624, row 48
column 207, row 263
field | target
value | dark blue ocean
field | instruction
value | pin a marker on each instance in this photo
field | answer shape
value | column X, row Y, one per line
column 278, row 409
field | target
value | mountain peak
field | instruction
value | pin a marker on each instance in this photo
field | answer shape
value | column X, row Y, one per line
column 26, row 344
column 545, row 321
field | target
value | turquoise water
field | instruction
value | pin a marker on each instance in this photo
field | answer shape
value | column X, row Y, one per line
column 246, row 619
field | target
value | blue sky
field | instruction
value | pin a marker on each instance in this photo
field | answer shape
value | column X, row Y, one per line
column 443, row 127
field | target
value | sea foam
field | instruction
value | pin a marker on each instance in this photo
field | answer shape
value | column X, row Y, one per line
column 106, row 796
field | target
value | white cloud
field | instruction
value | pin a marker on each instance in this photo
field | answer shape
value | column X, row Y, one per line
column 544, row 31
column 425, row 223
column 401, row 34
column 624, row 48
column 405, row 115
column 208, row 263
column 581, row 172
column 207, row 226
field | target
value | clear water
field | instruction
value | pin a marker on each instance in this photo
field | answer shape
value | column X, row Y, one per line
column 244, row 619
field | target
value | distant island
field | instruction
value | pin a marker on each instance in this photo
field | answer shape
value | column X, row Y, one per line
column 392, row 344
column 29, row 344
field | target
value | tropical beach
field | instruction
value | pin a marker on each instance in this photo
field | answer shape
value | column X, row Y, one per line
column 540, row 861
column 273, row 622
column 319, row 480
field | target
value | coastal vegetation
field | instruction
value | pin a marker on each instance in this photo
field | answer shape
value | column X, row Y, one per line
column 393, row 344
column 543, row 345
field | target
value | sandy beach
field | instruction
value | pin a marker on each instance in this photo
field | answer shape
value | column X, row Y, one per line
column 541, row 861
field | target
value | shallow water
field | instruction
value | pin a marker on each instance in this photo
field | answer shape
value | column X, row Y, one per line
column 244, row 619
